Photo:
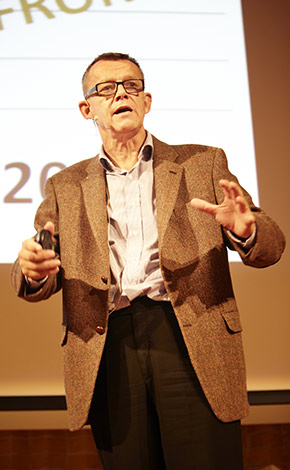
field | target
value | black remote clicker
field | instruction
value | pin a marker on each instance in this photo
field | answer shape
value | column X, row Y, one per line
column 44, row 238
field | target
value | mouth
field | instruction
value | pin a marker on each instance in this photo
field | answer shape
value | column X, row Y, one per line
column 123, row 109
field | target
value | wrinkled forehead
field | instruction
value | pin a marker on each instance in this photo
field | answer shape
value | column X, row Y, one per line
column 106, row 70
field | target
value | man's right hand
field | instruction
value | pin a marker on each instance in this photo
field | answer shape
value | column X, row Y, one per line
column 35, row 262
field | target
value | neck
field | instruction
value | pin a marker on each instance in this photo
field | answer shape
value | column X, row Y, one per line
column 123, row 150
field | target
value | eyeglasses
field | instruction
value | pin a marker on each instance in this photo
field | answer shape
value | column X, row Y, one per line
column 133, row 86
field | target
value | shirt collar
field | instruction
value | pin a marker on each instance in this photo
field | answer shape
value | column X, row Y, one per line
column 146, row 153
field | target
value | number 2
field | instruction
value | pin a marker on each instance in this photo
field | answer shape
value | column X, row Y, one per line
column 25, row 173
column 24, row 177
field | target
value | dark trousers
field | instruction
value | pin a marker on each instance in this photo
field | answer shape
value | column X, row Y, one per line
column 148, row 410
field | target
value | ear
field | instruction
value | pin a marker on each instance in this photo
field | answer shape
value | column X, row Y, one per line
column 147, row 101
column 85, row 109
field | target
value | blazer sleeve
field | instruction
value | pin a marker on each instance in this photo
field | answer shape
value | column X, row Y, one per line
column 270, row 241
column 47, row 211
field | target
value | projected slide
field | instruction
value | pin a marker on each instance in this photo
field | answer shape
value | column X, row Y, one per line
column 192, row 53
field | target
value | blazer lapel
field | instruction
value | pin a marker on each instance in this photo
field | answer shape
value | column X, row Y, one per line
column 94, row 191
column 167, row 177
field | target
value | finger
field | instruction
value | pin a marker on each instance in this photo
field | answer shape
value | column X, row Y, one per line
column 41, row 266
column 31, row 245
column 37, row 275
column 245, row 210
column 236, row 189
column 37, row 255
column 203, row 206
column 225, row 184
column 242, row 203
column 50, row 227
column 39, row 271
column 231, row 189
column 231, row 186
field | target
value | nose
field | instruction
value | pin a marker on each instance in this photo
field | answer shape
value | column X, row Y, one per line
column 120, row 90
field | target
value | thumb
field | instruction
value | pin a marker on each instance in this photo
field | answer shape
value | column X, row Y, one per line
column 50, row 227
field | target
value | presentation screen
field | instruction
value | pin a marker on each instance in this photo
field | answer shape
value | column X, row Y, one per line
column 193, row 56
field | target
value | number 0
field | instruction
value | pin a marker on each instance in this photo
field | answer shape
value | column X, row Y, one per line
column 44, row 173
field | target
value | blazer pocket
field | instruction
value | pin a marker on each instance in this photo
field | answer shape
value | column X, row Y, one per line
column 232, row 321
column 64, row 335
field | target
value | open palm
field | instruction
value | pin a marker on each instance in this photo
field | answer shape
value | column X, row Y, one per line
column 233, row 213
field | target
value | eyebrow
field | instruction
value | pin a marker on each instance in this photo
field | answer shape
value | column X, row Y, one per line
column 128, row 77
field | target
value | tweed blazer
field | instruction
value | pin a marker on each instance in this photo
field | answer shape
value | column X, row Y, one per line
column 194, row 266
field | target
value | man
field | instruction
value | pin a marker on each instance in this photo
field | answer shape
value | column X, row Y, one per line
column 151, row 332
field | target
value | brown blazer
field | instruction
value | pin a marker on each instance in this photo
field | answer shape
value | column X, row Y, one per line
column 193, row 259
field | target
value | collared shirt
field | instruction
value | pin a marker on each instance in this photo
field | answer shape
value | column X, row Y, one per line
column 133, row 236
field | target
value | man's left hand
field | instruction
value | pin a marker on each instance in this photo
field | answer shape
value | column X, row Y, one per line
column 234, row 213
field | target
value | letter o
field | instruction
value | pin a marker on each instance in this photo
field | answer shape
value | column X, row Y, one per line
column 66, row 9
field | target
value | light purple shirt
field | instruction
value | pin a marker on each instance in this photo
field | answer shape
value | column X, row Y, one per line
column 133, row 236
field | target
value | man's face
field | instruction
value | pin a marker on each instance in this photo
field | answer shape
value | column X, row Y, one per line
column 120, row 114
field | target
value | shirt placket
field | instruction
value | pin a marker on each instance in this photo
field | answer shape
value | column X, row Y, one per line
column 134, row 225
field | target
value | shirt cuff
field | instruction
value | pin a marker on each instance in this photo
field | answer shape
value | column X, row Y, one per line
column 35, row 284
column 245, row 243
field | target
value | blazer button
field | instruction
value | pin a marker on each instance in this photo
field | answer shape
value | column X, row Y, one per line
column 104, row 279
column 100, row 330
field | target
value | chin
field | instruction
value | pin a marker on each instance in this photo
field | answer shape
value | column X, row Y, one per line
column 126, row 128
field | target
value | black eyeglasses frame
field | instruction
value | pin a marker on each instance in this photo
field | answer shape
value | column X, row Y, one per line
column 95, row 88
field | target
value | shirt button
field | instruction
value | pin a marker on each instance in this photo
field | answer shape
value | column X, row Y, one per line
column 100, row 330
column 104, row 279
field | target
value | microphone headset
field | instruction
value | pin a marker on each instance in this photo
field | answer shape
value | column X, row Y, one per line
column 95, row 121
